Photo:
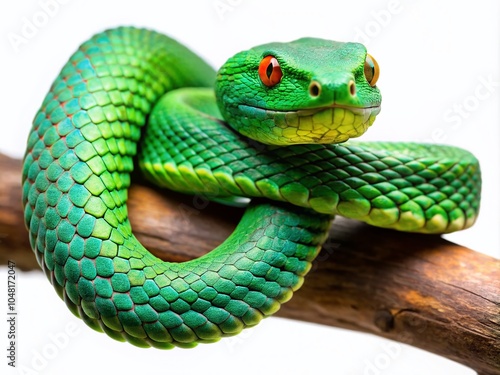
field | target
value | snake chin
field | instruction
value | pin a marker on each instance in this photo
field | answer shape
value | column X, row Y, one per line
column 322, row 125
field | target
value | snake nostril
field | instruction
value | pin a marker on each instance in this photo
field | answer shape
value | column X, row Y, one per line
column 314, row 89
column 352, row 88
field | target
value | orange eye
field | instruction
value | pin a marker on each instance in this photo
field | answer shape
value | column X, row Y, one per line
column 372, row 71
column 269, row 71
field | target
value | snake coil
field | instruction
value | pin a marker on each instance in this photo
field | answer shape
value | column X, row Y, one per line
column 77, row 171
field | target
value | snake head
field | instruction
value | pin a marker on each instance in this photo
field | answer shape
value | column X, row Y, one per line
column 306, row 91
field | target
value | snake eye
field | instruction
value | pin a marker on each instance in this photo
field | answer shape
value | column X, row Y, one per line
column 372, row 71
column 269, row 71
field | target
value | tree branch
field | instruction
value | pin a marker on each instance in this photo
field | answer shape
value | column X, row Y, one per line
column 417, row 289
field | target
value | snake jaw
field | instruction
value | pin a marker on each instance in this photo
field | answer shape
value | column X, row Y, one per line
column 322, row 125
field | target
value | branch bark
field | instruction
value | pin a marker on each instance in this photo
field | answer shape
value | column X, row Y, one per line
column 416, row 289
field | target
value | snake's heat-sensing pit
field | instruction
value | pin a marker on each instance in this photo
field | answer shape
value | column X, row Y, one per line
column 271, row 125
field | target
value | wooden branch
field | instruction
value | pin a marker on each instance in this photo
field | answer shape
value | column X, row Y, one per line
column 417, row 289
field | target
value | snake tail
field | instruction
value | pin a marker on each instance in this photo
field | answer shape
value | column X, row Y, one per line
column 75, row 179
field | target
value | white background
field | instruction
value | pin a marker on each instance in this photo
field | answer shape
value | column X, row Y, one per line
column 434, row 56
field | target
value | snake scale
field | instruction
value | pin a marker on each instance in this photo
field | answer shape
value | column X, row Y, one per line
column 275, row 131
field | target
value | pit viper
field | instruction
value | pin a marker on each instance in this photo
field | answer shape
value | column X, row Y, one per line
column 271, row 127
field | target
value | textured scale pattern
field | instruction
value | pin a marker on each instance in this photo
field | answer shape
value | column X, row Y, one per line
column 405, row 186
column 76, row 175
column 77, row 171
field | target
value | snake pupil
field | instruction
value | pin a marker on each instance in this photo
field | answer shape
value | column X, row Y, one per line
column 269, row 70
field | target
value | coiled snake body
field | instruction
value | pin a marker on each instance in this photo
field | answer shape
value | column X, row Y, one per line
column 294, row 105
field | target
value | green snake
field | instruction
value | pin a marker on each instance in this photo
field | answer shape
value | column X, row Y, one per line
column 271, row 126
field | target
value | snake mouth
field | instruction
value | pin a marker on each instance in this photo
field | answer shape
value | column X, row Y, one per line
column 326, row 124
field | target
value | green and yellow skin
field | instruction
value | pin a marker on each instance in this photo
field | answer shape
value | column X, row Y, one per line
column 272, row 131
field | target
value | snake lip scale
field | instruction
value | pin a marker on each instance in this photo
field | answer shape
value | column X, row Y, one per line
column 312, row 110
column 134, row 95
